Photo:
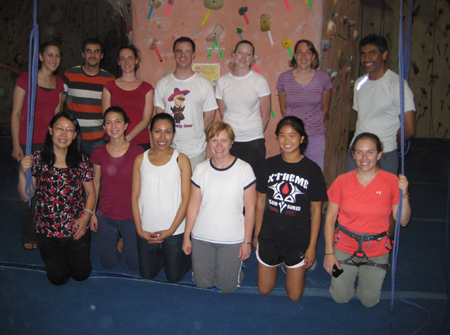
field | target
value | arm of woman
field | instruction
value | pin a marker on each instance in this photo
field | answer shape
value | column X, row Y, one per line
column 283, row 103
column 25, row 164
column 193, row 208
column 18, row 100
column 222, row 107
column 330, row 223
column 259, row 214
column 135, row 192
column 316, row 220
column 249, row 222
column 265, row 107
column 97, row 183
column 106, row 100
column 83, row 221
column 406, row 206
column 326, row 103
column 185, row 168
column 146, row 116
column 59, row 108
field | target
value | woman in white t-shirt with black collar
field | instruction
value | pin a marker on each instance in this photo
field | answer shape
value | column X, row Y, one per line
column 221, row 235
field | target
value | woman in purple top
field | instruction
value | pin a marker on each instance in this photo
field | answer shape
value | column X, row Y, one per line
column 305, row 92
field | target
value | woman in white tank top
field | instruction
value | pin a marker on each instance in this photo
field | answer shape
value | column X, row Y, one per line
column 160, row 194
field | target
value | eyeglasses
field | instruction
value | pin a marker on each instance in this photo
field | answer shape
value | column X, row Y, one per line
column 62, row 130
column 307, row 52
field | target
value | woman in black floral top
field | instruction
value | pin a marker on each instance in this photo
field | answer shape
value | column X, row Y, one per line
column 60, row 174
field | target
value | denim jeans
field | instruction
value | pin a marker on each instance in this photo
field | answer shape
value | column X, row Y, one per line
column 167, row 255
column 108, row 234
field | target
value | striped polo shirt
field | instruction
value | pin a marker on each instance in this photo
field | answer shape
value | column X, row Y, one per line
column 84, row 100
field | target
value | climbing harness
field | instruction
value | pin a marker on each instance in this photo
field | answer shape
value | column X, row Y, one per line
column 359, row 257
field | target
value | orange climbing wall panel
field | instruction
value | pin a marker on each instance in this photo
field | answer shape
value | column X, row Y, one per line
column 185, row 19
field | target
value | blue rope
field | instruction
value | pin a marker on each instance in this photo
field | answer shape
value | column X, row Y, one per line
column 32, row 87
column 403, row 74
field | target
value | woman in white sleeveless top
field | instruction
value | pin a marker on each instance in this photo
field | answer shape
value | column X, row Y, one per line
column 160, row 194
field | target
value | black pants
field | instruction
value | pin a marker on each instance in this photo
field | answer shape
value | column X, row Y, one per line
column 66, row 258
column 252, row 152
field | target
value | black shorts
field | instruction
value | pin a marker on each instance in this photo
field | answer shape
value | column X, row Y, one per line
column 272, row 254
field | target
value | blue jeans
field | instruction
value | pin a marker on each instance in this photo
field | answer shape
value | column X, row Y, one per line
column 108, row 235
column 88, row 148
column 167, row 255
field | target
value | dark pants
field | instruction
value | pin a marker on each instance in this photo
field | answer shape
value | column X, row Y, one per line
column 66, row 258
column 167, row 255
column 253, row 152
column 108, row 233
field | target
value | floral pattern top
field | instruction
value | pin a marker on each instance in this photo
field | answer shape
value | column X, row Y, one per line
column 59, row 194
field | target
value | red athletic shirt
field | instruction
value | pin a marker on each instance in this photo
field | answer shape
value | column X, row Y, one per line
column 364, row 210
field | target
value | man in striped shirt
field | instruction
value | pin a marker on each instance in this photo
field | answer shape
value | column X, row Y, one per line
column 83, row 86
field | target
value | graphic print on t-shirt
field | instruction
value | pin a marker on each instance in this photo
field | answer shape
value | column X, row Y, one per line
column 286, row 188
column 178, row 97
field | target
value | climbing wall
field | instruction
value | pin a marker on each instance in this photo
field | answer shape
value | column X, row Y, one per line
column 165, row 21
column 341, row 36
column 429, row 74
column 430, row 70
column 65, row 21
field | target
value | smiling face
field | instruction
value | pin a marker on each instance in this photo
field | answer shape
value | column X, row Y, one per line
column 243, row 56
column 63, row 133
column 220, row 145
column 51, row 58
column 115, row 125
column 289, row 139
column 92, row 55
column 127, row 61
column 162, row 134
column 184, row 54
column 373, row 61
column 366, row 155
column 304, row 56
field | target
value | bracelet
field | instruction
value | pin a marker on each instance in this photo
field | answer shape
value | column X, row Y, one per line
column 248, row 242
column 88, row 210
column 332, row 253
column 405, row 196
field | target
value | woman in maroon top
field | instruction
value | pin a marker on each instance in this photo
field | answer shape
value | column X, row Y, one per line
column 113, row 167
column 48, row 102
column 132, row 94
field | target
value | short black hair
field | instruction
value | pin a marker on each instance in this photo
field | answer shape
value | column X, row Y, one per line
column 377, row 40
column 94, row 41
column 184, row 39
